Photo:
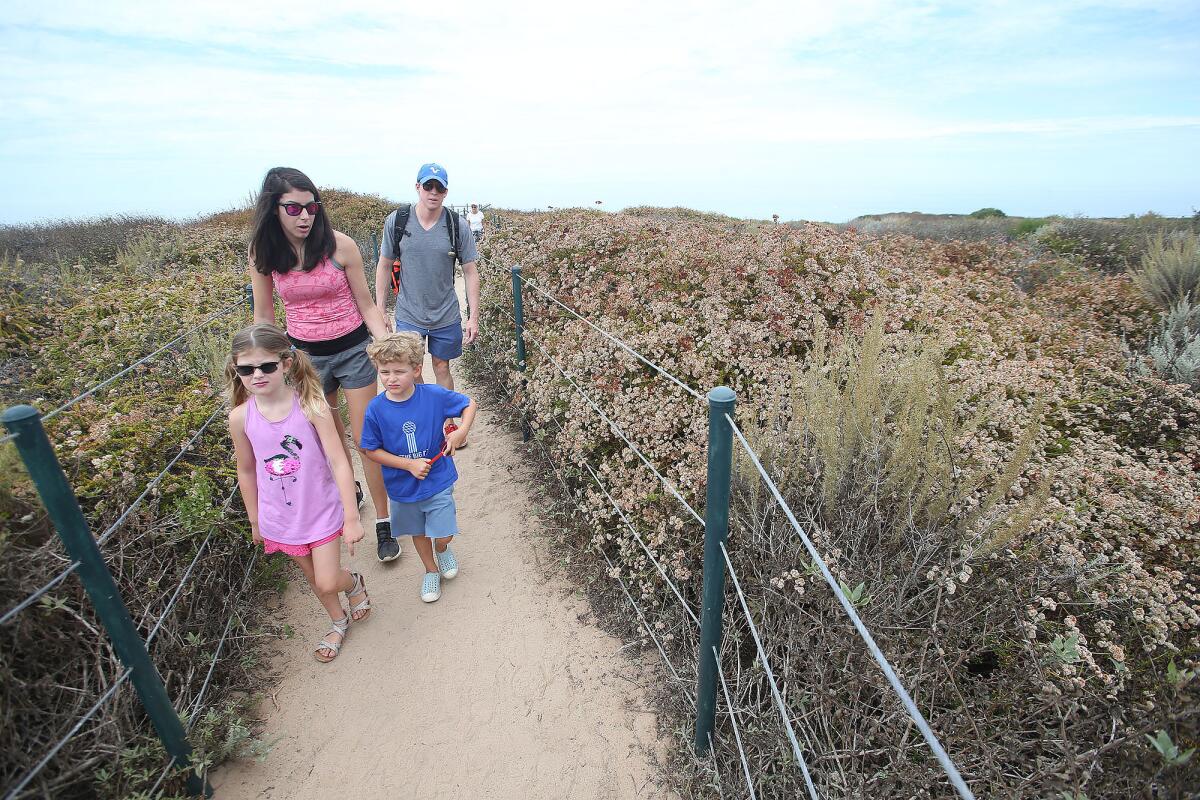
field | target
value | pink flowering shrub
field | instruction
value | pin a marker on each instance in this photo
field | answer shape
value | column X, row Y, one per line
column 1014, row 515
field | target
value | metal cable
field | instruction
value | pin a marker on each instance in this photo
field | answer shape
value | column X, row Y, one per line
column 28, row 601
column 31, row 599
column 930, row 739
column 617, row 430
column 143, row 360
column 8, row 437
column 197, row 704
column 762, row 655
column 733, row 718
column 533, row 285
column 149, row 487
column 162, row 777
column 187, row 573
column 32, row 773
column 616, row 573
column 624, row 588
column 645, row 547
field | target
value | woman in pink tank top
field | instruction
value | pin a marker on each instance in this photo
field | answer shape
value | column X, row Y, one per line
column 293, row 473
column 318, row 274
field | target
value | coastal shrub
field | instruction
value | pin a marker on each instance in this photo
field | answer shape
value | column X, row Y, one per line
column 54, row 659
column 1012, row 511
column 1174, row 353
column 1170, row 270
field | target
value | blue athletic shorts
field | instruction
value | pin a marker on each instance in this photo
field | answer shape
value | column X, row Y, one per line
column 444, row 343
column 433, row 517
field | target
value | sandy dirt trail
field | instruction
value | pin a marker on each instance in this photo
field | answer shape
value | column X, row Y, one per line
column 498, row 690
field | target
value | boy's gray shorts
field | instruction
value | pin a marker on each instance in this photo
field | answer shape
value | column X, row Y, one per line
column 349, row 369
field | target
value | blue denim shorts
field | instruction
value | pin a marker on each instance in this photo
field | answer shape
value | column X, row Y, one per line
column 444, row 343
column 349, row 369
column 433, row 517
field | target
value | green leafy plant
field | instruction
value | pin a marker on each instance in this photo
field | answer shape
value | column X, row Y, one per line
column 1170, row 269
column 1172, row 756
column 1066, row 649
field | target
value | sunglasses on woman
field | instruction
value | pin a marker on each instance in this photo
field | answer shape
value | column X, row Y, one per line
column 246, row 370
column 293, row 209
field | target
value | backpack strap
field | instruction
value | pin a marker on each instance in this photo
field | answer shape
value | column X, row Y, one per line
column 452, row 228
column 399, row 231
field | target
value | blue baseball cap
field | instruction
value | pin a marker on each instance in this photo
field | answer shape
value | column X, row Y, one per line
column 433, row 172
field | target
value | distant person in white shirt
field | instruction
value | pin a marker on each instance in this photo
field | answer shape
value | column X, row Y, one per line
column 475, row 220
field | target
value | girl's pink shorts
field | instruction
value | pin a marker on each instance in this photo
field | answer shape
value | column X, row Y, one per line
column 270, row 546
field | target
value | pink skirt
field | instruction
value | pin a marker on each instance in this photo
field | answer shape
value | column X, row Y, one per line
column 271, row 546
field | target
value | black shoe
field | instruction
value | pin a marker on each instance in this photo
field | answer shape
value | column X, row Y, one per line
column 358, row 493
column 387, row 548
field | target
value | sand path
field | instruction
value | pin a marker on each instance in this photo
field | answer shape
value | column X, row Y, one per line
column 498, row 690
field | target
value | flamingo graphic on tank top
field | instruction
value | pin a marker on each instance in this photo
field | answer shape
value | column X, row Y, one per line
column 284, row 465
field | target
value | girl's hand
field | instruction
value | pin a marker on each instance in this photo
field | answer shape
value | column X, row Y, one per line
column 419, row 468
column 352, row 533
column 254, row 534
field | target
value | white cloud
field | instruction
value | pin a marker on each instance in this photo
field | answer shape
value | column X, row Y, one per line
column 583, row 91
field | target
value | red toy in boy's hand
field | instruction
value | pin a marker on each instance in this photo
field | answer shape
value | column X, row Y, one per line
column 449, row 429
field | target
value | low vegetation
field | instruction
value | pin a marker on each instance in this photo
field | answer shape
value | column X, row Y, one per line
column 1012, row 509
column 987, row 438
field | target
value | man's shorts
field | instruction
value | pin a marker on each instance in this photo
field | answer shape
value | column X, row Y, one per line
column 433, row 517
column 349, row 369
column 444, row 343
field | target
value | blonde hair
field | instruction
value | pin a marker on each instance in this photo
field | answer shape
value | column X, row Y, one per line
column 300, row 372
column 404, row 347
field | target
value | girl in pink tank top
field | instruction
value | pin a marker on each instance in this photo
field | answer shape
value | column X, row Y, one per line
column 294, row 476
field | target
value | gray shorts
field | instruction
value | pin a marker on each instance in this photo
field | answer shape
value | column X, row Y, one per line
column 349, row 369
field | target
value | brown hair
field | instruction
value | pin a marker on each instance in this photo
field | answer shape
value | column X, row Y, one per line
column 300, row 372
column 404, row 347
column 269, row 246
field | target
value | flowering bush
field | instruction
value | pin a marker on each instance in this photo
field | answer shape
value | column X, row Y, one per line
column 73, row 318
column 1014, row 514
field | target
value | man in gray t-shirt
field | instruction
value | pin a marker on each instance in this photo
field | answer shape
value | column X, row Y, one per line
column 427, row 302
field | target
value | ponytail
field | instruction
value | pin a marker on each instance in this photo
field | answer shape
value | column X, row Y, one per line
column 300, row 372
column 307, row 383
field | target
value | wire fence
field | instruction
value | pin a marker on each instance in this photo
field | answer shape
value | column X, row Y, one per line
column 42, row 466
column 785, row 714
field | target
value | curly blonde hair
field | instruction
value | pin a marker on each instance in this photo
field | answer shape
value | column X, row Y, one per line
column 404, row 347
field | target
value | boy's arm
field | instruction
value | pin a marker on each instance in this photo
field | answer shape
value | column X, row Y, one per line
column 417, row 467
column 457, row 437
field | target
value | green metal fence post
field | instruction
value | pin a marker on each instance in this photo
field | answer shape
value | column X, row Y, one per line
column 250, row 298
column 716, row 529
column 519, row 318
column 63, row 508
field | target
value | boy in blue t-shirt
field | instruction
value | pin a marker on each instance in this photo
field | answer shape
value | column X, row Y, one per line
column 403, row 430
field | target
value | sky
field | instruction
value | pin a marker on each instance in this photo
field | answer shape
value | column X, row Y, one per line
column 809, row 109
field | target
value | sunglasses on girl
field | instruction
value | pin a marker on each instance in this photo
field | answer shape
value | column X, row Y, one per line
column 433, row 186
column 293, row 209
column 246, row 370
